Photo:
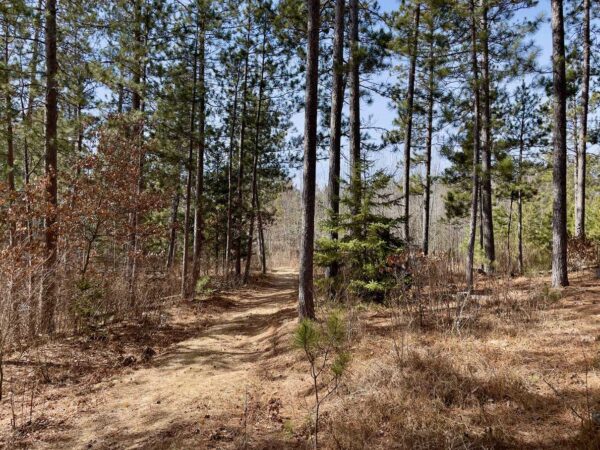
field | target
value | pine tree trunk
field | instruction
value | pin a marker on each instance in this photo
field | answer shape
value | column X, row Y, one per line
column 33, row 69
column 559, row 172
column 229, row 232
column 476, row 143
column 51, row 170
column 409, row 120
column 28, row 120
column 188, row 185
column 520, row 192
column 508, row 231
column 137, row 106
column 428, row 145
column 487, row 221
column 581, row 155
column 240, row 180
column 261, row 238
column 337, row 104
column 354, row 87
column 306, row 308
column 173, row 228
column 576, row 152
column 199, row 188
column 8, row 118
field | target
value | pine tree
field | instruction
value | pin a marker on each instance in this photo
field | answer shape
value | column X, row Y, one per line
column 306, row 307
column 559, row 219
column 51, row 170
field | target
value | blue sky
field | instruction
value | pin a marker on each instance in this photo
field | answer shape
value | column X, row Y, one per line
column 380, row 114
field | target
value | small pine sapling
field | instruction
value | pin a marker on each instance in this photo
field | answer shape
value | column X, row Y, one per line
column 325, row 348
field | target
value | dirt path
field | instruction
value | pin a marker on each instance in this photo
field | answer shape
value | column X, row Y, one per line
column 198, row 381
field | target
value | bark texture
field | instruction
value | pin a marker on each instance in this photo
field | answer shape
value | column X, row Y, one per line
column 487, row 221
column 409, row 120
column 51, row 171
column 306, row 307
column 559, row 172
column 476, row 145
column 581, row 154
column 354, row 87
column 337, row 103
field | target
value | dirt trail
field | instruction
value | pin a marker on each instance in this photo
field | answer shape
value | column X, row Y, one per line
column 200, row 378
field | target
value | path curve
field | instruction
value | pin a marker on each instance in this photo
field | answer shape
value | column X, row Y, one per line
column 200, row 378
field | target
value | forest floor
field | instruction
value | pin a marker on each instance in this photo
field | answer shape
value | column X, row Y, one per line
column 223, row 373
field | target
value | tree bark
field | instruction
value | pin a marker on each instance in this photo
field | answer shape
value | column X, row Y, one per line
column 487, row 221
column 354, row 87
column 559, row 172
column 199, row 188
column 261, row 238
column 173, row 228
column 233, row 119
column 51, row 171
column 337, row 104
column 428, row 146
column 188, row 185
column 8, row 118
column 409, row 120
column 306, row 308
column 240, row 180
column 28, row 120
column 476, row 144
column 581, row 155
column 520, row 191
column 508, row 231
column 137, row 105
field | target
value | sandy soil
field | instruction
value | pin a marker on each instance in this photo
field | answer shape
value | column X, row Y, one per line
column 206, row 386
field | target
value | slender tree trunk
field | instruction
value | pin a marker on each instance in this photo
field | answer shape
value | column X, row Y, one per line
column 476, row 144
column 559, row 172
column 354, row 87
column 520, row 192
column 576, row 151
column 480, row 211
column 261, row 238
column 33, row 68
column 240, row 180
column 337, row 104
column 120, row 98
column 428, row 145
column 51, row 170
column 508, row 231
column 255, row 157
column 8, row 118
column 28, row 121
column 487, row 221
column 137, row 105
column 228, row 237
column 306, row 289
column 173, row 228
column 198, row 207
column 409, row 120
column 188, row 185
column 217, row 250
column 581, row 155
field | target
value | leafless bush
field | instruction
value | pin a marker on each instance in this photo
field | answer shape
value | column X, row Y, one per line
column 426, row 292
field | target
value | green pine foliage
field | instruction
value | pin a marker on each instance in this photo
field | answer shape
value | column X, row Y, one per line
column 367, row 241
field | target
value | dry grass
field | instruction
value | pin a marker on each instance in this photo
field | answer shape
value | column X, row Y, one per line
column 520, row 372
